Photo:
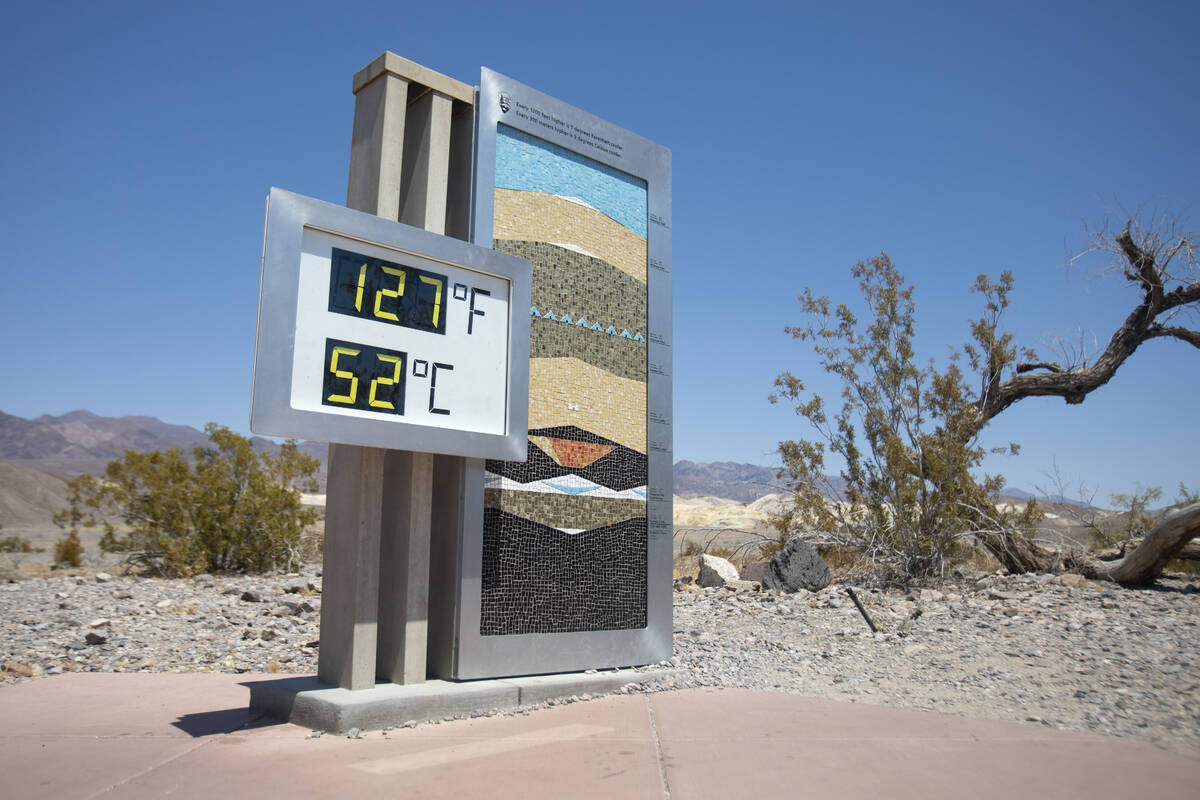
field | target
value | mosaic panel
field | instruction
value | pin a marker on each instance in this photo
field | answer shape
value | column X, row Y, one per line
column 538, row 217
column 537, row 579
column 565, row 533
column 603, row 329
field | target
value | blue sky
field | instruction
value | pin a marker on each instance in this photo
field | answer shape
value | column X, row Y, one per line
column 140, row 139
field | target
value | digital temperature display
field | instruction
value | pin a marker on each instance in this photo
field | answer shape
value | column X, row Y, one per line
column 384, row 291
column 364, row 377
column 379, row 334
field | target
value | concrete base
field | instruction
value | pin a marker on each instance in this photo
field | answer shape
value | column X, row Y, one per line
column 307, row 702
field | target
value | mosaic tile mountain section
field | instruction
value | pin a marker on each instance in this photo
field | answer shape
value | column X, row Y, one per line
column 622, row 468
column 540, row 580
column 565, row 533
column 570, row 481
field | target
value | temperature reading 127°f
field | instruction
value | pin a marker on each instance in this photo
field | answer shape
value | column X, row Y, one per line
column 378, row 334
column 396, row 294
column 394, row 337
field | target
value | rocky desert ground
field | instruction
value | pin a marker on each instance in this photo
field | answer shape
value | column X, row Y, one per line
column 1059, row 651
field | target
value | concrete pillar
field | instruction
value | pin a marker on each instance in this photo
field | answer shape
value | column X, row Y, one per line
column 404, row 568
column 350, row 578
column 426, row 162
column 375, row 593
column 377, row 146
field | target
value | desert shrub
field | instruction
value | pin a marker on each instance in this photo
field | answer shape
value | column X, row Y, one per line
column 68, row 551
column 224, row 509
column 18, row 544
column 907, row 434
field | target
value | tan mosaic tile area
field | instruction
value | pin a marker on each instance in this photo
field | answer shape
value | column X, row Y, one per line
column 568, row 391
column 532, row 216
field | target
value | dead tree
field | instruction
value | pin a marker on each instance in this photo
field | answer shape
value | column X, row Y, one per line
column 1163, row 265
column 1145, row 563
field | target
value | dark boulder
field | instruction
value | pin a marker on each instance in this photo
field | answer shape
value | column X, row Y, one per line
column 796, row 566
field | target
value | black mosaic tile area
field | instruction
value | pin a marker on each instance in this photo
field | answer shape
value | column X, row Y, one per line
column 540, row 580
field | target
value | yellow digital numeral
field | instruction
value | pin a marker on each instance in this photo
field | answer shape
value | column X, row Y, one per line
column 397, row 365
column 362, row 279
column 437, row 298
column 379, row 295
column 348, row 399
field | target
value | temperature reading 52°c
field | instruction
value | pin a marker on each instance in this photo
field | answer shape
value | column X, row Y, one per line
column 369, row 378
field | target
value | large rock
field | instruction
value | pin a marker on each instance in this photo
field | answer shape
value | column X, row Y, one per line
column 796, row 566
column 715, row 571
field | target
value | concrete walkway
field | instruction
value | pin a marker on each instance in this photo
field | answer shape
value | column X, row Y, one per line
column 152, row 735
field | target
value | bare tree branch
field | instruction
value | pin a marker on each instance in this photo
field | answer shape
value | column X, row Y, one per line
column 1046, row 365
column 1183, row 334
column 1145, row 259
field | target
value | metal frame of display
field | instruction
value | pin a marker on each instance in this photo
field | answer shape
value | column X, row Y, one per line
column 471, row 654
column 288, row 216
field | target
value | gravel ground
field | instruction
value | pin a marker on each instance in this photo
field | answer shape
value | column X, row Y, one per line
column 1089, row 657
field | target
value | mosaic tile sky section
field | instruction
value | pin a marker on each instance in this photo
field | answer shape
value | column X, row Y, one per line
column 565, row 533
column 529, row 164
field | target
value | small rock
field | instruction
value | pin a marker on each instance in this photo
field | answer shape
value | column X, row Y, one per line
column 742, row 586
column 100, row 623
column 95, row 638
column 715, row 571
column 20, row 670
column 354, row 733
column 123, row 595
column 164, row 604
column 103, row 577
column 251, row 596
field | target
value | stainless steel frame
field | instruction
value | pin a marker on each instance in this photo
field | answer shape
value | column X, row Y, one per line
column 473, row 655
column 271, row 412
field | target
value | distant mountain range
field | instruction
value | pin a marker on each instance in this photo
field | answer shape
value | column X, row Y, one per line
column 80, row 441
column 742, row 482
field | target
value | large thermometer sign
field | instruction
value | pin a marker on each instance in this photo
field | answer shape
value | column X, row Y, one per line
column 375, row 333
